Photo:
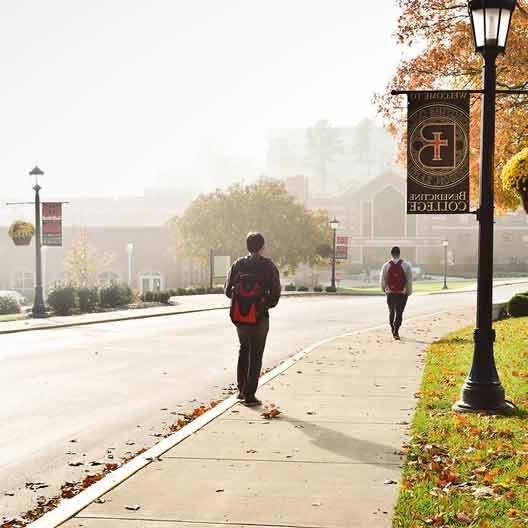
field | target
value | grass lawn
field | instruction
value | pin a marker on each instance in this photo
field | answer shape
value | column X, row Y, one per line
column 417, row 287
column 11, row 317
column 468, row 470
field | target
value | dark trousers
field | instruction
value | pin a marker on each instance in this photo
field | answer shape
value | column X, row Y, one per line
column 396, row 302
column 252, row 342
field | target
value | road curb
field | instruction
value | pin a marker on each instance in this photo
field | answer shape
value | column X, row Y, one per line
column 199, row 310
column 68, row 508
column 152, row 315
column 109, row 320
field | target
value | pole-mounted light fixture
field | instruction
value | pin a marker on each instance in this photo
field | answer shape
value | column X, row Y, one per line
column 334, row 224
column 490, row 22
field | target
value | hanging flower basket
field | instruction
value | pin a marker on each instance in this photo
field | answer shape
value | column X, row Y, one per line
column 21, row 232
column 514, row 176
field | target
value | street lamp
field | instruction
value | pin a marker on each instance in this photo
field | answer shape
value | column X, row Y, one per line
column 334, row 224
column 482, row 390
column 130, row 251
column 39, row 308
column 445, row 243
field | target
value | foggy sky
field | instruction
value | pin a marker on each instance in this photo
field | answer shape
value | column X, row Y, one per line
column 109, row 95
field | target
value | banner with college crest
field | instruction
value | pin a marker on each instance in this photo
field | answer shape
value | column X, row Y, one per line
column 52, row 224
column 438, row 153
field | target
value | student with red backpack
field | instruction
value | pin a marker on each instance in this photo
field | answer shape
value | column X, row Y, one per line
column 253, row 285
column 396, row 283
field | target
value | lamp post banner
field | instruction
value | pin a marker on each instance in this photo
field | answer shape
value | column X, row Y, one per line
column 342, row 248
column 52, row 224
column 438, row 153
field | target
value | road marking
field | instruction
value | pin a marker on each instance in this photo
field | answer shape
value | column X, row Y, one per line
column 68, row 508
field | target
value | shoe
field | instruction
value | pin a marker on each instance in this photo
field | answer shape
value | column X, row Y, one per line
column 240, row 396
column 252, row 402
column 396, row 335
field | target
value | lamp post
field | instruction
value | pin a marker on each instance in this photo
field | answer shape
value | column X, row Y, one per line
column 39, row 308
column 130, row 251
column 334, row 224
column 445, row 243
column 482, row 390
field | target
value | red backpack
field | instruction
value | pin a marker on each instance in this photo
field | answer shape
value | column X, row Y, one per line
column 396, row 279
column 247, row 299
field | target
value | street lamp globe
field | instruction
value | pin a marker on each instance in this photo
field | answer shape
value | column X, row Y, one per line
column 334, row 224
column 490, row 22
column 35, row 173
column 445, row 243
column 130, row 248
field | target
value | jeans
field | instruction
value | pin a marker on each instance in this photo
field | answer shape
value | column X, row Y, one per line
column 396, row 303
column 252, row 342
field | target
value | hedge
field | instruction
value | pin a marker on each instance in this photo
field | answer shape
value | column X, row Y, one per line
column 9, row 305
column 518, row 305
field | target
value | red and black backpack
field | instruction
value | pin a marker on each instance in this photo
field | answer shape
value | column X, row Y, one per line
column 248, row 297
column 396, row 280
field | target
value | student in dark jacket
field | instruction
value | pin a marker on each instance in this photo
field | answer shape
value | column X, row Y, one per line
column 252, row 332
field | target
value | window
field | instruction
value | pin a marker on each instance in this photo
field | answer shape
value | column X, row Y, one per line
column 24, row 283
column 151, row 280
column 106, row 277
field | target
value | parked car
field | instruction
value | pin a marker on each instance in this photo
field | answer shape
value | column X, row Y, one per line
column 18, row 297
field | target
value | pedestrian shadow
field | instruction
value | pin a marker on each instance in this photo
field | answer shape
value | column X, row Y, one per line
column 354, row 449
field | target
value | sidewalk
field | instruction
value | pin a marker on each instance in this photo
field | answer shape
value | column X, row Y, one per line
column 330, row 460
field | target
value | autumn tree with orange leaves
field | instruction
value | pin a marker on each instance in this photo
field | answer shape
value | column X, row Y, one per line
column 441, row 30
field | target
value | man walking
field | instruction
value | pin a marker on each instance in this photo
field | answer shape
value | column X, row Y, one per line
column 253, row 285
column 396, row 282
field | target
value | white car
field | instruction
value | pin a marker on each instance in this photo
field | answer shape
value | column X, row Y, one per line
column 18, row 297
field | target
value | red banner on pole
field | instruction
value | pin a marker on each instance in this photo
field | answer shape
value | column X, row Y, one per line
column 52, row 224
column 342, row 248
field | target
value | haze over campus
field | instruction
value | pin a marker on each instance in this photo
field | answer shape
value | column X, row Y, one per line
column 111, row 98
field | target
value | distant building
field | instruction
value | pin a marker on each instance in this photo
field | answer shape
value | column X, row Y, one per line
column 298, row 187
column 373, row 218
column 110, row 224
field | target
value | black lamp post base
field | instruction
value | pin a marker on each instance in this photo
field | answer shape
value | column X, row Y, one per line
column 483, row 398
column 506, row 409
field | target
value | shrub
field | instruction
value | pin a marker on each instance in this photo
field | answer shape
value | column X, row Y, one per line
column 290, row 287
column 146, row 296
column 62, row 299
column 8, row 305
column 518, row 305
column 330, row 289
column 217, row 289
column 318, row 289
column 164, row 296
column 200, row 290
column 115, row 295
column 88, row 299
column 302, row 288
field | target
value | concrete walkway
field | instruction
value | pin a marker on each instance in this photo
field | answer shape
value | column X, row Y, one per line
column 330, row 460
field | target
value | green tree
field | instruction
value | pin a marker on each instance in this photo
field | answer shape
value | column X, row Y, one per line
column 83, row 262
column 324, row 143
column 221, row 220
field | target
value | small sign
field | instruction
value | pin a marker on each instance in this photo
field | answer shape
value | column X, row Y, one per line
column 52, row 224
column 342, row 252
column 222, row 265
column 438, row 153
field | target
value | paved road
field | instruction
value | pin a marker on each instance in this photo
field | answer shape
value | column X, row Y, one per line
column 77, row 395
